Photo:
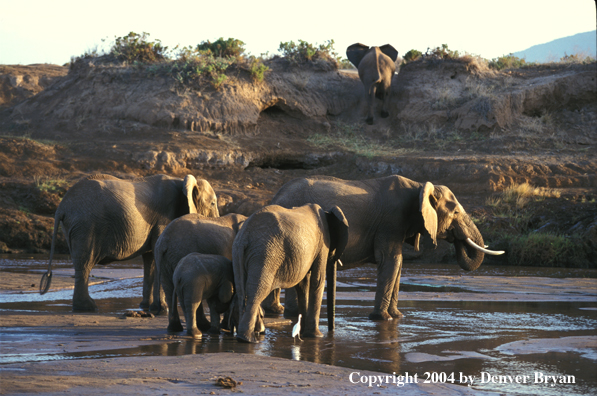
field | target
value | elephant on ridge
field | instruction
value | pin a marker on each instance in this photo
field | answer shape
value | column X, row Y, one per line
column 278, row 247
column 376, row 66
column 108, row 219
column 192, row 233
column 384, row 213
column 203, row 277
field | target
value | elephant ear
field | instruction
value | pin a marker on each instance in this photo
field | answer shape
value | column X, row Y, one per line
column 389, row 51
column 426, row 200
column 338, row 227
column 356, row 52
column 191, row 191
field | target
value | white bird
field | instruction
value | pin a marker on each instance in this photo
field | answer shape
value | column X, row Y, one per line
column 296, row 330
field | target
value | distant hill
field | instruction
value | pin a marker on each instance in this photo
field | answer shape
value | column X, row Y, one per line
column 582, row 43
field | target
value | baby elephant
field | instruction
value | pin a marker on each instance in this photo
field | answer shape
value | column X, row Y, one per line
column 200, row 277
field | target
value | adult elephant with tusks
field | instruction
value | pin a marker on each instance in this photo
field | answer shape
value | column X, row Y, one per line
column 106, row 219
column 384, row 213
column 376, row 66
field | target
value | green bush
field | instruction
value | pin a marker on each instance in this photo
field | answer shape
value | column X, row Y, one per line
column 546, row 250
column 506, row 62
column 412, row 55
column 303, row 51
column 136, row 47
column 230, row 48
column 257, row 69
column 345, row 64
column 442, row 52
column 192, row 68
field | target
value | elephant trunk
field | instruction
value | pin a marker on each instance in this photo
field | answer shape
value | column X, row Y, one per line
column 467, row 256
column 331, row 293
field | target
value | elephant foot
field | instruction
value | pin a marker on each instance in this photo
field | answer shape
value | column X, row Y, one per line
column 312, row 334
column 195, row 333
column 395, row 313
column 144, row 305
column 384, row 315
column 251, row 339
column 175, row 328
column 213, row 330
column 384, row 114
column 274, row 309
column 159, row 309
column 84, row 306
column 259, row 327
column 369, row 120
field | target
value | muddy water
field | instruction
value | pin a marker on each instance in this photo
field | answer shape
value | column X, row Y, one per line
column 439, row 335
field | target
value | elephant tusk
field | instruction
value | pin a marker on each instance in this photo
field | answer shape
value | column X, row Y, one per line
column 340, row 263
column 486, row 251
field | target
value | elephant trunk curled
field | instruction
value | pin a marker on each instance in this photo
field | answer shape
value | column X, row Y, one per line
column 467, row 257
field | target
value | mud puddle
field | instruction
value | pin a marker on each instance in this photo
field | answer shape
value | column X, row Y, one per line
column 491, row 328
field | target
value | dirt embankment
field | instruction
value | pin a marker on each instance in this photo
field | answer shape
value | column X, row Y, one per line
column 454, row 123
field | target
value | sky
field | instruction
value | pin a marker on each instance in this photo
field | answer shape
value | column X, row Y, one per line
column 42, row 31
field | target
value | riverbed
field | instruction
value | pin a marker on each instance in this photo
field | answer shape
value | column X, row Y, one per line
column 518, row 331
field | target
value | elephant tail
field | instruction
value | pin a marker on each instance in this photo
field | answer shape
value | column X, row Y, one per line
column 46, row 279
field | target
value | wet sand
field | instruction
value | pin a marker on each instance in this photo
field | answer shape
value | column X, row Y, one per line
column 31, row 337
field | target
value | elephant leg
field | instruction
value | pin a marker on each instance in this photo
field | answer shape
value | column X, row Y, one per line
column 158, row 297
column 271, row 304
column 148, row 275
column 214, row 316
column 257, row 289
column 225, row 324
column 259, row 324
column 189, row 308
column 82, row 302
column 315, row 289
column 371, row 104
column 202, row 323
column 301, row 290
column 386, row 104
column 290, row 303
column 246, row 327
column 387, row 274
column 174, row 325
column 393, row 309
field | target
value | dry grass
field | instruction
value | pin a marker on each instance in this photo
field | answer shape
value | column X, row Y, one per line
column 517, row 196
column 351, row 137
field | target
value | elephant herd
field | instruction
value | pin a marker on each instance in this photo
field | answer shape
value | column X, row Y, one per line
column 237, row 265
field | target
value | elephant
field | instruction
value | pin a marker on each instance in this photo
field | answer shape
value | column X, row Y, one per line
column 384, row 213
column 278, row 247
column 376, row 66
column 192, row 233
column 203, row 277
column 108, row 219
